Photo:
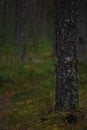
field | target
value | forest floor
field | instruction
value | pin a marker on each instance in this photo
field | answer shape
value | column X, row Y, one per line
column 27, row 92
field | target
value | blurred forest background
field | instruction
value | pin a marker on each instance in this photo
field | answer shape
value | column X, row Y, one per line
column 26, row 24
column 27, row 65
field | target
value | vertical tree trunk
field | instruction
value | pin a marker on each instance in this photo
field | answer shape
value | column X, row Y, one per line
column 82, row 29
column 67, row 87
column 3, row 4
column 21, row 14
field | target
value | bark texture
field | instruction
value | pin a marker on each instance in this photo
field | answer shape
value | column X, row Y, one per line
column 67, row 86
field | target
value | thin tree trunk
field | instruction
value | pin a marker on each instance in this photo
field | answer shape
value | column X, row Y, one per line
column 3, row 4
column 22, row 15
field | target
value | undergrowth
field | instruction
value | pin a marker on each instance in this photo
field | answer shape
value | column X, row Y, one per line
column 33, row 87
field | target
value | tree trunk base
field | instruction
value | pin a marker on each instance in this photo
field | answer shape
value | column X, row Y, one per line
column 71, row 117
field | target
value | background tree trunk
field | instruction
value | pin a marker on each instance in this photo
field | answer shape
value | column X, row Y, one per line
column 67, row 87
column 82, row 27
column 3, row 5
column 22, row 15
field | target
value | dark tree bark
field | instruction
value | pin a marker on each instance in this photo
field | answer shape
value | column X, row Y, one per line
column 82, row 28
column 67, row 86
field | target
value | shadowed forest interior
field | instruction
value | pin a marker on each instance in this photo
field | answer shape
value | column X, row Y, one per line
column 27, row 66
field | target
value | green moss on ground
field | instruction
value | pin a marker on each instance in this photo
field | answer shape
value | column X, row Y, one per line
column 32, row 86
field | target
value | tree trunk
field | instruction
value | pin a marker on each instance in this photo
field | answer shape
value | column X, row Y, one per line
column 3, row 4
column 67, row 86
column 22, row 15
column 82, row 29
